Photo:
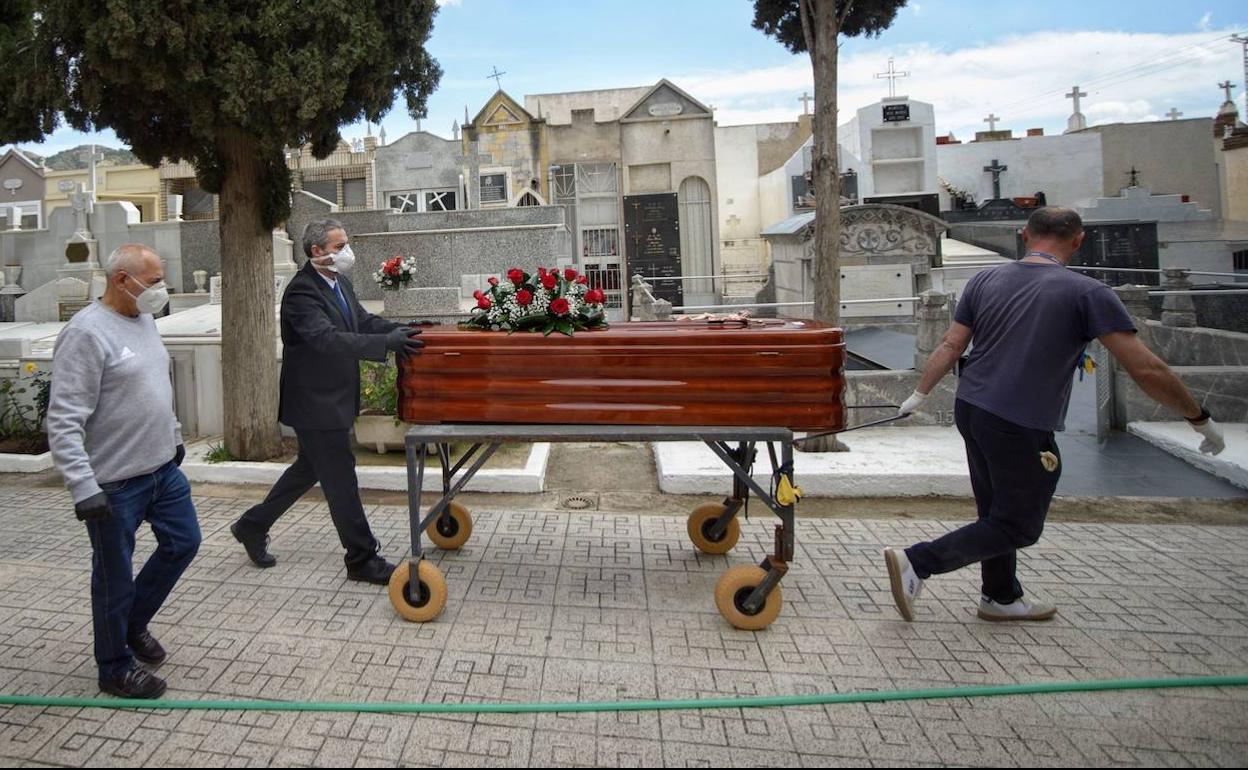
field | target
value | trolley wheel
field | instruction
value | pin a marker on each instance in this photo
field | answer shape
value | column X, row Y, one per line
column 432, row 592
column 700, row 522
column 732, row 590
column 449, row 533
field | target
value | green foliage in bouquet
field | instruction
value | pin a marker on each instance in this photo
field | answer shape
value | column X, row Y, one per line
column 551, row 301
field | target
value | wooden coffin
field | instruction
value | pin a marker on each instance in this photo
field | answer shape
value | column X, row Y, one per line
column 769, row 373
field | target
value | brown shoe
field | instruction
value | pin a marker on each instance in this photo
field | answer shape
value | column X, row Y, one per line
column 145, row 647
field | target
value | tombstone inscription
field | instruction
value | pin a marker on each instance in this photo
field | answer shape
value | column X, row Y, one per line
column 652, row 232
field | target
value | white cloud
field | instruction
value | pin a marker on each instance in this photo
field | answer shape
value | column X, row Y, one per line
column 1204, row 24
column 1022, row 78
column 917, row 9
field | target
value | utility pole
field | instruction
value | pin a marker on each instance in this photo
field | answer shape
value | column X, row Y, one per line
column 1243, row 41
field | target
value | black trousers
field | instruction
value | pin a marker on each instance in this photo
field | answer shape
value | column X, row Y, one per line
column 1012, row 492
column 324, row 456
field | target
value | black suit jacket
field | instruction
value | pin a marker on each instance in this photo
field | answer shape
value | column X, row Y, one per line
column 321, row 351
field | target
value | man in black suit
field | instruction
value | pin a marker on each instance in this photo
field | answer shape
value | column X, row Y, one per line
column 325, row 333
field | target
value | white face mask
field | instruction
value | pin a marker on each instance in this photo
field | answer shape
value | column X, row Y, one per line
column 152, row 299
column 341, row 261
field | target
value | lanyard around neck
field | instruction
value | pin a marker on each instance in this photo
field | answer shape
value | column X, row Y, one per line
column 1049, row 257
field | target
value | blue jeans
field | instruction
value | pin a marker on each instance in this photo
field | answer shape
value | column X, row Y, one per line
column 1012, row 493
column 120, row 602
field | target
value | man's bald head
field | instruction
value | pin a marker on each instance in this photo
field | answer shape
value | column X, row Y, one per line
column 131, row 258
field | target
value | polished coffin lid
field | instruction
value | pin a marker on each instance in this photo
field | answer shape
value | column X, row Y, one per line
column 769, row 372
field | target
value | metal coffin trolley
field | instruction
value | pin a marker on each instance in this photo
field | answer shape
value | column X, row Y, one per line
column 734, row 386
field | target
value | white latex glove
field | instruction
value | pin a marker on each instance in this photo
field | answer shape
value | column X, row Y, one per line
column 1213, row 443
column 911, row 404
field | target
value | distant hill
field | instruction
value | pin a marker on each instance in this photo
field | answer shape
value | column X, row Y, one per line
column 78, row 157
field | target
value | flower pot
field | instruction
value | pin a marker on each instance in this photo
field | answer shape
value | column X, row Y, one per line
column 382, row 432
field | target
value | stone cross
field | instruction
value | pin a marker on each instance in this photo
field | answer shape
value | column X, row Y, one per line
column 991, row 120
column 498, row 77
column 805, row 99
column 891, row 75
column 1076, row 121
column 995, row 169
column 1174, row 113
column 95, row 156
column 1075, row 93
column 1227, row 86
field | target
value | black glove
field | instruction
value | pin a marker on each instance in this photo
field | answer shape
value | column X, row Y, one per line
column 94, row 508
column 179, row 455
column 400, row 341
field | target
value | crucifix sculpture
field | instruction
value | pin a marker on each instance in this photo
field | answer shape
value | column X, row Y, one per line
column 995, row 169
column 1134, row 178
column 991, row 120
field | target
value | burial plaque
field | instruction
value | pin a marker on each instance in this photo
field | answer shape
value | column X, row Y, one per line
column 652, row 233
column 493, row 188
column 1122, row 245
column 896, row 113
column 77, row 252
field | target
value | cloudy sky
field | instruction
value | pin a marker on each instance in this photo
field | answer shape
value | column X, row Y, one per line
column 1135, row 60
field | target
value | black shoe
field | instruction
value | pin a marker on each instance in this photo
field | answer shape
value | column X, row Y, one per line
column 376, row 570
column 138, row 682
column 257, row 546
column 145, row 647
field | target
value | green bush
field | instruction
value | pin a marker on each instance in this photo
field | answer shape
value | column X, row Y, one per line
column 217, row 453
column 379, row 392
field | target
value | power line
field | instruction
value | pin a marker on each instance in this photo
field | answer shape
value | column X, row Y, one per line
column 1176, row 58
column 1134, row 72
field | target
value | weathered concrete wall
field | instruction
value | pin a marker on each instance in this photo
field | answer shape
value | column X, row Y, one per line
column 418, row 161
column 1066, row 167
column 1212, row 363
column 1171, row 156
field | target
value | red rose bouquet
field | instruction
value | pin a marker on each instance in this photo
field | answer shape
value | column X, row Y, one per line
column 551, row 301
column 395, row 273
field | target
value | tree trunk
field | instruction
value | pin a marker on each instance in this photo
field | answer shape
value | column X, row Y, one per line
column 825, row 169
column 248, row 339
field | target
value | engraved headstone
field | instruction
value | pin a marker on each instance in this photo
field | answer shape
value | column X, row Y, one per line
column 652, row 237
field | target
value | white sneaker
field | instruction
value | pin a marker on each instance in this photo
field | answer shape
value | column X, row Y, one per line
column 906, row 585
column 1020, row 609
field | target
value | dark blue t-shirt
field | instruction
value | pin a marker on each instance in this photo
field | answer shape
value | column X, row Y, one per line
column 1029, row 323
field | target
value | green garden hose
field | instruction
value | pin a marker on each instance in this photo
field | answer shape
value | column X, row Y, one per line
column 763, row 701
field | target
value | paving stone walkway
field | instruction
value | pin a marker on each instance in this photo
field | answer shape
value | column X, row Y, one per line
column 596, row 606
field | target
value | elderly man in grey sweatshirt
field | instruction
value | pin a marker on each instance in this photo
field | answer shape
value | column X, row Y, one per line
column 116, row 441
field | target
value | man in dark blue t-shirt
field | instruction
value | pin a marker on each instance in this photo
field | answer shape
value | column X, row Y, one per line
column 1030, row 322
